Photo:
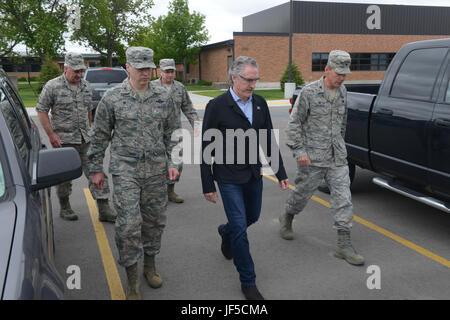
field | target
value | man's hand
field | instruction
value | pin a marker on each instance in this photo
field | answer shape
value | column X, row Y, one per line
column 304, row 161
column 211, row 197
column 98, row 179
column 173, row 173
column 55, row 140
column 284, row 184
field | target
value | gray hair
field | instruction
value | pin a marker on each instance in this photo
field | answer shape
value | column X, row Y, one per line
column 238, row 66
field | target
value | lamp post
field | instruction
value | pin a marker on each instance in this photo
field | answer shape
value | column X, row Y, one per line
column 289, row 86
column 290, row 38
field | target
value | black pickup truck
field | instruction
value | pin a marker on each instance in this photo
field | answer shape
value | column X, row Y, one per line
column 402, row 132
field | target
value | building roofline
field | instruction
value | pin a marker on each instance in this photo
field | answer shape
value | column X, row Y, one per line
column 261, row 34
column 218, row 44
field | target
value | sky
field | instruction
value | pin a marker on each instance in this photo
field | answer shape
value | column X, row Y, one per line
column 225, row 17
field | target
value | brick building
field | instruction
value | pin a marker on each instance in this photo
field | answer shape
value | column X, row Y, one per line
column 372, row 34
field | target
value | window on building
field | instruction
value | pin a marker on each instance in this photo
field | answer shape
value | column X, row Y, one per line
column 319, row 61
column 360, row 61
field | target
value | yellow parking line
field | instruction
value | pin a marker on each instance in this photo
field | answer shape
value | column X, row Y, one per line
column 384, row 232
column 112, row 275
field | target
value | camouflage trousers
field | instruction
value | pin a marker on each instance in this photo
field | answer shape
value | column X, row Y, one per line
column 307, row 181
column 140, row 205
column 64, row 190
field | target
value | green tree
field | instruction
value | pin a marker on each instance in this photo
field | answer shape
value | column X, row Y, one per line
column 8, row 37
column 178, row 35
column 296, row 76
column 37, row 24
column 106, row 23
column 49, row 71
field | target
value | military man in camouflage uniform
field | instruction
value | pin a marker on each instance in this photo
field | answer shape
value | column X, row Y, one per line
column 182, row 102
column 138, row 120
column 315, row 134
column 69, row 100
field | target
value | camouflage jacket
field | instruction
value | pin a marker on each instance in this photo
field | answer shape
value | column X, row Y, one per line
column 69, row 109
column 317, row 126
column 139, row 129
column 181, row 100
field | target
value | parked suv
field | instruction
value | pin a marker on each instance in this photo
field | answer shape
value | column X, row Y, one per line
column 102, row 79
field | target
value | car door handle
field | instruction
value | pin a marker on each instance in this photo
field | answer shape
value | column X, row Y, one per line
column 442, row 122
column 385, row 111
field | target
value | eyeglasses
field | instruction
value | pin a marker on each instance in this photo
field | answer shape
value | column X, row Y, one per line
column 249, row 80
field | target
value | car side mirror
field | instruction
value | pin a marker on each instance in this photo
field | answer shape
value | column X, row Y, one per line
column 55, row 166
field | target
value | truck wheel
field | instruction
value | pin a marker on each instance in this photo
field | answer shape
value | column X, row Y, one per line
column 351, row 168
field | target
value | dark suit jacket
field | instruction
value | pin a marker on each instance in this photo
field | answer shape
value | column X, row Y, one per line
column 238, row 165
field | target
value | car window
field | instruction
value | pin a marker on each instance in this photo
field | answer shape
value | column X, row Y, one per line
column 19, row 107
column 106, row 76
column 16, row 127
column 447, row 95
column 418, row 73
column 2, row 182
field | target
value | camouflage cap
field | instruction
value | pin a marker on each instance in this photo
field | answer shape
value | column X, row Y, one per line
column 74, row 60
column 140, row 57
column 339, row 61
column 166, row 64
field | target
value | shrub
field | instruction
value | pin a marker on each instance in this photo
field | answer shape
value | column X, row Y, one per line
column 49, row 71
column 204, row 83
column 296, row 76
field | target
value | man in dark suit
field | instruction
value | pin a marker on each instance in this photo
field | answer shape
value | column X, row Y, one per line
column 234, row 125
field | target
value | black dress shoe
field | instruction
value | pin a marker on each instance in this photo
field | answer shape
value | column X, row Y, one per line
column 252, row 293
column 225, row 246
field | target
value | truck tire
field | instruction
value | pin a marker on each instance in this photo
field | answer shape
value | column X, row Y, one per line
column 351, row 172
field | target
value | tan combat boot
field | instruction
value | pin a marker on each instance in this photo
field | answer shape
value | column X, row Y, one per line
column 133, row 285
column 154, row 280
column 172, row 195
column 105, row 213
column 345, row 250
column 286, row 226
column 66, row 211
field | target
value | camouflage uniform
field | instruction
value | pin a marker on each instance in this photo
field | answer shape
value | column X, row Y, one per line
column 140, row 130
column 69, row 110
column 181, row 102
column 317, row 128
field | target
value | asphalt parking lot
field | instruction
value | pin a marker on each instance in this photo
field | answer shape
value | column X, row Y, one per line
column 405, row 243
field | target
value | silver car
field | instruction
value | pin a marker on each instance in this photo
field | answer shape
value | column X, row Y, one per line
column 27, row 171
